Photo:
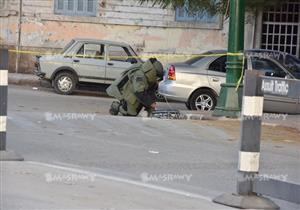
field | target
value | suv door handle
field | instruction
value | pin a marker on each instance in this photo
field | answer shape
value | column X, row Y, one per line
column 76, row 61
column 110, row 64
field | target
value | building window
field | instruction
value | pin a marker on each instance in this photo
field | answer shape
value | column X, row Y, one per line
column 184, row 15
column 76, row 7
column 2, row 4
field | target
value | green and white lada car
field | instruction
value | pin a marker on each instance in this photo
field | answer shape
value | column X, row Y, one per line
column 85, row 61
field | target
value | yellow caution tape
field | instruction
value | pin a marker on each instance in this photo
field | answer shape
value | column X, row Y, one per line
column 144, row 56
column 242, row 74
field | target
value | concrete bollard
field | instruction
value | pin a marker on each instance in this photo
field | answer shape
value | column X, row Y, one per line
column 252, row 111
column 248, row 167
column 4, row 154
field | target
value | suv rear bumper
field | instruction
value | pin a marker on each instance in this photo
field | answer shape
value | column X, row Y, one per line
column 171, row 90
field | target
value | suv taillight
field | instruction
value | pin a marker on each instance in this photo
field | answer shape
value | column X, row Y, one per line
column 171, row 73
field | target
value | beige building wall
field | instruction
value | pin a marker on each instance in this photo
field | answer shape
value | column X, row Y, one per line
column 150, row 30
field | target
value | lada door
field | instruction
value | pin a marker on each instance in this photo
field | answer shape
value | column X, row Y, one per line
column 89, row 62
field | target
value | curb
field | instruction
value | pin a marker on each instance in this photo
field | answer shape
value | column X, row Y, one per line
column 24, row 80
column 190, row 115
column 198, row 115
column 186, row 115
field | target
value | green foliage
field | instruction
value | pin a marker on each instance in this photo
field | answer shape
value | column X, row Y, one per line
column 213, row 6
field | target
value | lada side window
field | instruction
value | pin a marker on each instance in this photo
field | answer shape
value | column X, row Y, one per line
column 95, row 51
column 118, row 53
column 268, row 67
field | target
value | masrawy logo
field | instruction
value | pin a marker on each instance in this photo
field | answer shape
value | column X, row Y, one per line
column 267, row 116
column 146, row 177
column 49, row 116
column 276, row 87
column 266, row 177
column 274, row 55
column 69, row 177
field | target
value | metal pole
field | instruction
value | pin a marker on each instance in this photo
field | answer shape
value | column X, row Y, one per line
column 19, row 36
column 248, row 167
column 4, row 154
column 298, row 45
column 229, row 102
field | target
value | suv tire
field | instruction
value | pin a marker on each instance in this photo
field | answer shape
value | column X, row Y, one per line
column 64, row 83
column 188, row 106
column 204, row 100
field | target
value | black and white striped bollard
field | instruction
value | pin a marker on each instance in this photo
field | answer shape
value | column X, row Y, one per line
column 4, row 154
column 248, row 167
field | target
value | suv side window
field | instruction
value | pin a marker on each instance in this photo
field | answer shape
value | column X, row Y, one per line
column 117, row 53
column 268, row 67
column 219, row 64
column 95, row 51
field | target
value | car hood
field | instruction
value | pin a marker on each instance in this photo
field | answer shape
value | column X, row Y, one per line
column 50, row 57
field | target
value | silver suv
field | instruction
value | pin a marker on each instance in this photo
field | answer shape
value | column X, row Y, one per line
column 85, row 61
column 197, row 81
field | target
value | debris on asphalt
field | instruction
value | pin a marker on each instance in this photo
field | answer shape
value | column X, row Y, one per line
column 153, row 152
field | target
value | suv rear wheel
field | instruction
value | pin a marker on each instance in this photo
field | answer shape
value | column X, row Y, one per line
column 203, row 100
column 64, row 83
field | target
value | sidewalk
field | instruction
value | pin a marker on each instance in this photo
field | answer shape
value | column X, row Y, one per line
column 27, row 185
column 23, row 79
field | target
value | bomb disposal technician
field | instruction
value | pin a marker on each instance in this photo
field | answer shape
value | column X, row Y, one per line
column 136, row 88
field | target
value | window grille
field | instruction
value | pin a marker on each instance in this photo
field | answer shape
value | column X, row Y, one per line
column 281, row 28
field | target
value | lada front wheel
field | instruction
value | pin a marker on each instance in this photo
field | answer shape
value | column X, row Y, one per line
column 64, row 83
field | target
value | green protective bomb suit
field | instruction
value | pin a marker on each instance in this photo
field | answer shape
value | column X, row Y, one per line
column 136, row 88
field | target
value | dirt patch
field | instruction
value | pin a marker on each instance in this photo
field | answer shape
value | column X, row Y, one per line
column 269, row 132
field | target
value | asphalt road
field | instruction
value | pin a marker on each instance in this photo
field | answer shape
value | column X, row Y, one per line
column 135, row 148
column 25, row 98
